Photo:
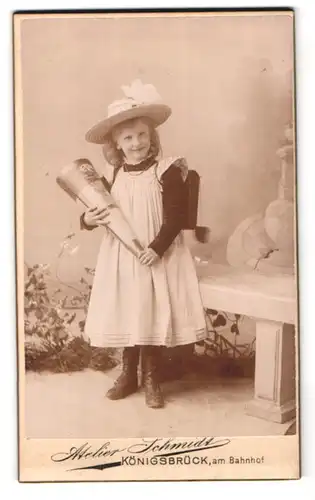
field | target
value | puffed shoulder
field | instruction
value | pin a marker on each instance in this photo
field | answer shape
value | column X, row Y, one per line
column 165, row 163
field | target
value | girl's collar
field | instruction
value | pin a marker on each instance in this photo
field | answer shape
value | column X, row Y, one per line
column 143, row 165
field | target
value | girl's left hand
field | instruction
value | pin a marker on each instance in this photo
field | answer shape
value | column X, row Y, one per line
column 148, row 257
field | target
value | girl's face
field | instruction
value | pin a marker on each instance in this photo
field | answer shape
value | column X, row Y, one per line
column 134, row 139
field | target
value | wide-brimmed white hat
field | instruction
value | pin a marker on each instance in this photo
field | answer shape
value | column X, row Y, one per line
column 141, row 100
column 249, row 242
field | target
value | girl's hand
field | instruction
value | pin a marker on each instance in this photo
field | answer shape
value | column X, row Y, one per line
column 96, row 216
column 148, row 257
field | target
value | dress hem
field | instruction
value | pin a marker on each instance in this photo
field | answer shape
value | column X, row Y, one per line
column 200, row 335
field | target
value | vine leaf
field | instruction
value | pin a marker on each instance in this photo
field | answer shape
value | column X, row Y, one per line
column 219, row 321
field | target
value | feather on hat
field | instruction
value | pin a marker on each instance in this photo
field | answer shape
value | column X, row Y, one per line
column 141, row 100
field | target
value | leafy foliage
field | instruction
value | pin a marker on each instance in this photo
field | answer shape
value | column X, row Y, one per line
column 218, row 344
column 53, row 336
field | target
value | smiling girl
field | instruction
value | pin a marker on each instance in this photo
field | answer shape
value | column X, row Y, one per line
column 143, row 304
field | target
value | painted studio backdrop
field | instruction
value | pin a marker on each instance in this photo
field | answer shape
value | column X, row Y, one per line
column 228, row 81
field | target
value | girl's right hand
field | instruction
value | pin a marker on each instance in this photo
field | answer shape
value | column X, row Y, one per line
column 96, row 216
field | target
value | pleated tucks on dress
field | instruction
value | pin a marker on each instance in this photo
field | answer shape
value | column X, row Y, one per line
column 132, row 304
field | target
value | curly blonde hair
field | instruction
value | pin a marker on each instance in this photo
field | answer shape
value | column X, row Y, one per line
column 115, row 156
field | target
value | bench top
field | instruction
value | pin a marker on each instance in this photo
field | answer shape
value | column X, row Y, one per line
column 269, row 296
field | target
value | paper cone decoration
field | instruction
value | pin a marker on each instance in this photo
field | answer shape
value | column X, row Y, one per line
column 81, row 181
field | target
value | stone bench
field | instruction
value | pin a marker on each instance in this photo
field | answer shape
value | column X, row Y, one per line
column 271, row 299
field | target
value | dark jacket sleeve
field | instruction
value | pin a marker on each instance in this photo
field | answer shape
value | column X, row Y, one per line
column 173, row 196
column 108, row 186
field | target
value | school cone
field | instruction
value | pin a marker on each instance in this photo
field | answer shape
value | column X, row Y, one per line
column 81, row 182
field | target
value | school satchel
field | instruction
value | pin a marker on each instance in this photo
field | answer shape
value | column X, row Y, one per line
column 192, row 188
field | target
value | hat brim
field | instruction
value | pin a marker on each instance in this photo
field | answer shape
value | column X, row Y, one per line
column 158, row 113
column 244, row 244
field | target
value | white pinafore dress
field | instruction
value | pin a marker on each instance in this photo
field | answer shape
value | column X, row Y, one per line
column 132, row 304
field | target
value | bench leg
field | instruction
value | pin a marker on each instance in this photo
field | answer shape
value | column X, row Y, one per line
column 274, row 372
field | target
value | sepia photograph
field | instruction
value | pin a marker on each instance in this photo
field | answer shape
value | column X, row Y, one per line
column 157, row 276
